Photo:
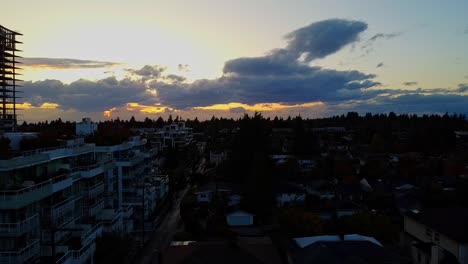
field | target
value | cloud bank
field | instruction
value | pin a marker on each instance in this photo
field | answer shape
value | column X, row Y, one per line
column 283, row 80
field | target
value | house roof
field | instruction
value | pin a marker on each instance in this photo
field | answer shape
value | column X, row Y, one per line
column 451, row 222
column 347, row 252
column 239, row 213
column 303, row 242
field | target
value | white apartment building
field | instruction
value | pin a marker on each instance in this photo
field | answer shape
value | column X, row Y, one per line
column 56, row 202
column 134, row 187
column 49, row 201
column 438, row 235
column 85, row 127
column 176, row 134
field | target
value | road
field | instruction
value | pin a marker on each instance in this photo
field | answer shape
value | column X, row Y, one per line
column 162, row 236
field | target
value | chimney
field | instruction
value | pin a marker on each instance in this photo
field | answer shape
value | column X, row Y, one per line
column 342, row 236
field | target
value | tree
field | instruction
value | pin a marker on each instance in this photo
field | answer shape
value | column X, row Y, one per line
column 296, row 222
column 375, row 225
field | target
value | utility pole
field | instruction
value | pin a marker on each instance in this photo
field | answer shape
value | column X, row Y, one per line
column 143, row 215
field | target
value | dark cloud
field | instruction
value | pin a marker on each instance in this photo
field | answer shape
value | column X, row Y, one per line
column 323, row 38
column 148, row 71
column 410, row 83
column 84, row 95
column 278, row 62
column 405, row 103
column 183, row 67
column 174, row 78
column 65, row 63
column 317, row 84
column 380, row 65
column 463, row 87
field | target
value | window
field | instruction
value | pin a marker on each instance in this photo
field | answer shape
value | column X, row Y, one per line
column 202, row 195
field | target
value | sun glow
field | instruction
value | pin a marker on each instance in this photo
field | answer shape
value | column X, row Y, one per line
column 148, row 109
column 259, row 107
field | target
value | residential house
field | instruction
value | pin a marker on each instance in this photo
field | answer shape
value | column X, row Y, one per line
column 227, row 191
column 288, row 193
column 239, row 218
column 349, row 249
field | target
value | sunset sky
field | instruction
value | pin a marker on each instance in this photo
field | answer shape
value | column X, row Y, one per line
column 112, row 58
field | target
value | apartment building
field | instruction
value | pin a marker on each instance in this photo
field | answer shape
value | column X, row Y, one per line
column 136, row 186
column 437, row 235
column 50, row 200
column 174, row 135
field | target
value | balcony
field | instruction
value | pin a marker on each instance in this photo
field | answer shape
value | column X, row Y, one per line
column 60, row 213
column 23, row 161
column 131, row 161
column 96, row 208
column 30, row 251
column 95, row 169
column 19, row 228
column 66, row 259
column 91, row 234
column 93, row 191
column 111, row 219
column 13, row 199
column 84, row 254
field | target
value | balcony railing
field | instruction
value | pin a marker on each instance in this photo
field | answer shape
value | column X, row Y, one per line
column 83, row 254
column 93, row 191
column 92, row 234
column 128, row 212
column 16, row 229
column 94, row 169
column 65, row 258
column 21, row 256
column 22, row 197
column 96, row 208
column 62, row 212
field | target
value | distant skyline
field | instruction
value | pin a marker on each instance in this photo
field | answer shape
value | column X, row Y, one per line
column 105, row 59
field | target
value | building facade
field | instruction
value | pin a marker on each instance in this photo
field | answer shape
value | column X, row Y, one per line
column 55, row 203
column 8, row 79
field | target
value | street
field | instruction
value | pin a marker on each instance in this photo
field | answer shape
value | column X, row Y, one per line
column 162, row 236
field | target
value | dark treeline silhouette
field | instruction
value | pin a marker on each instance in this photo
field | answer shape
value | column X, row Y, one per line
column 426, row 133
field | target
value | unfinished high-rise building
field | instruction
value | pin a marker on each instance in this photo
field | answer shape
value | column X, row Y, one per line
column 8, row 80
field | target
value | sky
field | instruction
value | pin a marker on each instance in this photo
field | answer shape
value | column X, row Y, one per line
column 148, row 58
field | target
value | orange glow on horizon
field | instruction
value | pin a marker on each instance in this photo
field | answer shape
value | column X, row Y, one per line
column 46, row 105
column 148, row 109
column 108, row 113
column 259, row 107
